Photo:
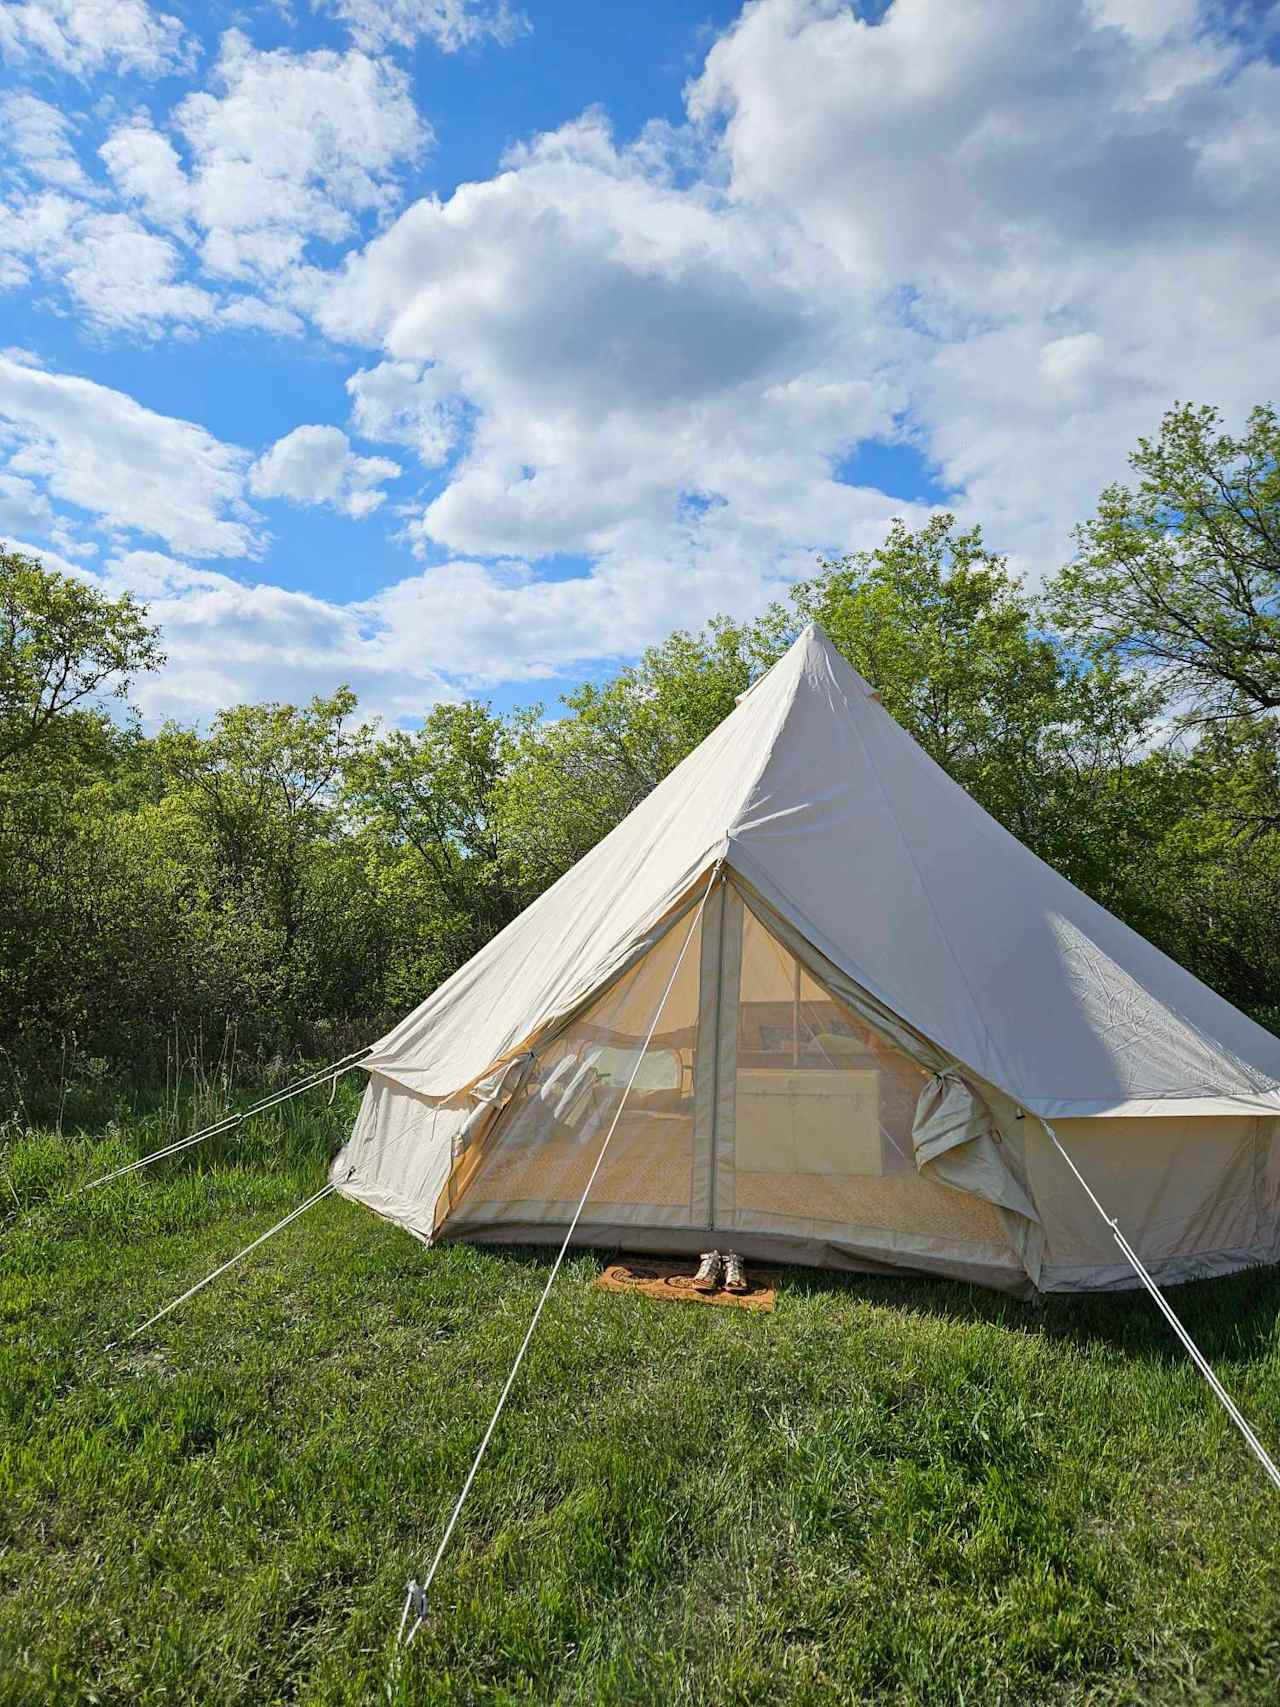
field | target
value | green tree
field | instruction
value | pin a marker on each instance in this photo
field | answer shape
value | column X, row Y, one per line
column 1204, row 885
column 426, row 804
column 63, row 645
column 1181, row 572
column 939, row 625
column 252, row 810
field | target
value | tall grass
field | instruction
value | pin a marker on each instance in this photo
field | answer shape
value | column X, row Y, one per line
column 888, row 1491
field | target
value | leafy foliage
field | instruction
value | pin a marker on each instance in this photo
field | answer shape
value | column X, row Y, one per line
column 1182, row 573
column 291, row 878
column 62, row 643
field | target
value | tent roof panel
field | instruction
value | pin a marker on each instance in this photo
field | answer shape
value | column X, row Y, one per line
column 844, row 824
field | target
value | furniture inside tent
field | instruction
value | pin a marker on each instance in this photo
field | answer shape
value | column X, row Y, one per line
column 825, row 1010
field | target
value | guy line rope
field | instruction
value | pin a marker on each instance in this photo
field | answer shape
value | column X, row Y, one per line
column 308, row 1082
column 1166, row 1310
column 416, row 1594
column 223, row 1267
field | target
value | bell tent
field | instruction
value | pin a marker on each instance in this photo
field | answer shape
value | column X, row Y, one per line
column 809, row 1000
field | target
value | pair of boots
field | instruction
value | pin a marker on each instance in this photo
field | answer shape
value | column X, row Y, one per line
column 716, row 1269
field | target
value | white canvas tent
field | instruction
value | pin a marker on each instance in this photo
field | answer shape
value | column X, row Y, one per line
column 827, row 1007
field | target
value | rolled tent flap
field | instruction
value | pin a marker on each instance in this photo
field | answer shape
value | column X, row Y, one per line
column 956, row 1142
column 490, row 1095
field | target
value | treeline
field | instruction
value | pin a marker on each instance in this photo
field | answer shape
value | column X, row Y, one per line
column 292, row 878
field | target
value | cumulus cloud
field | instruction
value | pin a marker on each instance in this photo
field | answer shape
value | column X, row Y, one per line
column 38, row 138
column 87, row 36
column 1012, row 232
column 130, row 469
column 450, row 24
column 229, row 641
column 316, row 465
column 1068, row 199
column 121, row 275
column 624, row 345
column 408, row 403
column 431, row 636
column 290, row 147
column 207, row 222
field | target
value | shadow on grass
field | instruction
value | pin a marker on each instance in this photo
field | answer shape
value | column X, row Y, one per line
column 1230, row 1317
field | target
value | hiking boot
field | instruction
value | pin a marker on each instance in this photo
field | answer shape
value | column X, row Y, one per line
column 708, row 1275
column 735, row 1275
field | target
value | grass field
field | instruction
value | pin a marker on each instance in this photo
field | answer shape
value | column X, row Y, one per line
column 887, row 1491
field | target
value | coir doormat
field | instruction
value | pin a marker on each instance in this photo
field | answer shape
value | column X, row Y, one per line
column 658, row 1279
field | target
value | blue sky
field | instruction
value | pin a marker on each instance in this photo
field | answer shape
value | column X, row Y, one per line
column 453, row 346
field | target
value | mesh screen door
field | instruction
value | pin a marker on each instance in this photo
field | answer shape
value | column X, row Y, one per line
column 534, row 1166
column 761, row 1105
column 815, row 1140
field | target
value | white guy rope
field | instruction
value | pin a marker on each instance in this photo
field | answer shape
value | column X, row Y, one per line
column 309, row 1082
column 416, row 1595
column 230, row 1263
column 1166, row 1310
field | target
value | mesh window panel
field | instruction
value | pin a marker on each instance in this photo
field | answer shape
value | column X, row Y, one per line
column 823, row 1116
column 535, row 1164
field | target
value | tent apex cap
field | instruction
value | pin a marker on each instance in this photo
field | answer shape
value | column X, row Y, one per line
column 814, row 635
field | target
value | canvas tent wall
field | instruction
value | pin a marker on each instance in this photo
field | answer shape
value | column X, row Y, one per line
column 884, row 998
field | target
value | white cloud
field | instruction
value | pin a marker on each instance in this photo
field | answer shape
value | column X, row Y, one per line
column 407, row 403
column 429, row 637
column 622, row 343
column 481, row 624
column 1016, row 230
column 316, row 465
column 1011, row 231
column 87, row 36
column 119, row 274
column 252, row 313
column 450, row 24
column 38, row 136
column 287, row 148
column 294, row 146
column 228, row 641
column 1070, row 200
column 148, row 173
column 131, row 469
column 126, row 276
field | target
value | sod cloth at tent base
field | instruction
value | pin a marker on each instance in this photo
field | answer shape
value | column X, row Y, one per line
column 884, row 1002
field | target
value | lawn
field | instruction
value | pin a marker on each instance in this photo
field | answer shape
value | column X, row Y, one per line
column 890, row 1491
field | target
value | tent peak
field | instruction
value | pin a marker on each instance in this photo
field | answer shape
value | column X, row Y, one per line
column 817, row 643
column 813, row 651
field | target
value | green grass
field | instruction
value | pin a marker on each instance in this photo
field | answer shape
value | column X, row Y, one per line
column 887, row 1491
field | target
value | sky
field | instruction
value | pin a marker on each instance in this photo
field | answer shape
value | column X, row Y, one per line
column 467, row 347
